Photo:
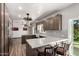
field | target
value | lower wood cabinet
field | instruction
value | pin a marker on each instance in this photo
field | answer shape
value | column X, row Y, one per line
column 30, row 51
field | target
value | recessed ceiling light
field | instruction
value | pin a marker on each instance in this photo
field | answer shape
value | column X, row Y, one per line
column 19, row 15
column 20, row 8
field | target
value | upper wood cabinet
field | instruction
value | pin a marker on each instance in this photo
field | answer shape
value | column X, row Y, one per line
column 53, row 23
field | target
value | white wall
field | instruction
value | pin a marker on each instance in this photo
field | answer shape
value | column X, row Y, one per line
column 20, row 32
column 70, row 12
column 67, row 13
column 10, row 27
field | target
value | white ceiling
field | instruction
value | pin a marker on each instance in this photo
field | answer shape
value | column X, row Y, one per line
column 36, row 10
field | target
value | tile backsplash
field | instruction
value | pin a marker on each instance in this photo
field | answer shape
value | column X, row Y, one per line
column 54, row 33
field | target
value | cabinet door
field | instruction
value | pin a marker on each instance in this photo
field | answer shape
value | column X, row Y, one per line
column 4, row 42
column 44, row 25
column 6, row 31
column 53, row 23
column 0, row 32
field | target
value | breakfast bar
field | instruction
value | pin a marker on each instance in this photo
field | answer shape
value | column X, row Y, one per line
column 34, row 44
column 39, row 42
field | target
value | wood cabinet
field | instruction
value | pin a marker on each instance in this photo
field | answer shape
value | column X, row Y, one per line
column 53, row 23
column 30, row 51
column 4, row 39
column 0, row 32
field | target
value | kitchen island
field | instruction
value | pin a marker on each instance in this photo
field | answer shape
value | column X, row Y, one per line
column 39, row 42
column 36, row 43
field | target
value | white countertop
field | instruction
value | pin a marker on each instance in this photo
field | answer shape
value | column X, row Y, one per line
column 39, row 42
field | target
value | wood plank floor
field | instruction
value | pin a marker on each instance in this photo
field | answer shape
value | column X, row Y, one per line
column 16, row 48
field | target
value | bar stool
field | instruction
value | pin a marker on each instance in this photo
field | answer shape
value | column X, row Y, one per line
column 54, row 45
column 62, row 50
column 45, row 51
column 49, row 51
